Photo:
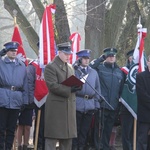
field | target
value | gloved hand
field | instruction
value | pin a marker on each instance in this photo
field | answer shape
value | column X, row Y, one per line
column 102, row 58
column 3, row 52
column 30, row 106
column 77, row 63
column 22, row 107
column 75, row 88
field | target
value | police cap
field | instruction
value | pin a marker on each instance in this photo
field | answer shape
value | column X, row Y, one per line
column 130, row 53
column 65, row 47
column 84, row 53
column 108, row 52
column 11, row 46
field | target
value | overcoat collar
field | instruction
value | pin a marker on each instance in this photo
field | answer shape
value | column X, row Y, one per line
column 60, row 63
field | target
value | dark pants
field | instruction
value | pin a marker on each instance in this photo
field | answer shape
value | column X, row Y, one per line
column 8, row 121
column 83, row 126
column 108, row 119
column 127, row 122
column 41, row 139
column 142, row 135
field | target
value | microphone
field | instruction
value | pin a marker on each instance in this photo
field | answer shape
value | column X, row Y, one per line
column 77, row 63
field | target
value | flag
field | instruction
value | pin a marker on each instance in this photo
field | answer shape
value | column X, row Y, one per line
column 46, row 37
column 17, row 38
column 129, row 97
column 41, row 90
column 47, row 51
column 75, row 38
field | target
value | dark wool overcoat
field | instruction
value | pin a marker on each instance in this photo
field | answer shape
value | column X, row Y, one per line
column 60, row 107
column 143, row 96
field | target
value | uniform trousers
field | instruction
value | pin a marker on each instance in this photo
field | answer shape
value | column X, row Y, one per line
column 8, row 122
column 64, row 144
column 142, row 135
column 108, row 119
column 127, row 122
column 83, row 125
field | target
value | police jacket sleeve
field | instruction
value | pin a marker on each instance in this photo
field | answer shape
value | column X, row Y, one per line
column 95, row 63
column 3, row 52
column 31, row 73
column 25, row 87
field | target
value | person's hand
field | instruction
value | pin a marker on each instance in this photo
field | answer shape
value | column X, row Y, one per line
column 75, row 88
column 30, row 106
column 22, row 107
column 3, row 52
column 102, row 58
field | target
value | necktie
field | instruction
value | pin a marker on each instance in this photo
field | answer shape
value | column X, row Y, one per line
column 84, row 71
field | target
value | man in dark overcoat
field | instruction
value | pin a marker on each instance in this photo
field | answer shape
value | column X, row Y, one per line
column 143, row 107
column 60, row 107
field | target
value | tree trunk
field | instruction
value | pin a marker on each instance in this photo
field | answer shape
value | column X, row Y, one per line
column 113, row 22
column 39, row 8
column 94, row 26
column 61, row 22
column 23, row 23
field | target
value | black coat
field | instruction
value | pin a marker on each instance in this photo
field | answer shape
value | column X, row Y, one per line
column 143, row 96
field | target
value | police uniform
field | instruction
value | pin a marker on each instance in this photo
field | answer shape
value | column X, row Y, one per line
column 13, row 94
column 87, row 100
column 127, row 119
column 111, row 79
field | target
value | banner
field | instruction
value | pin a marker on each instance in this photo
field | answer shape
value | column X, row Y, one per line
column 75, row 38
column 129, row 97
column 17, row 38
column 47, row 49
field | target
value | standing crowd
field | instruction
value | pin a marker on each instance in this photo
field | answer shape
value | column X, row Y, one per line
column 79, row 117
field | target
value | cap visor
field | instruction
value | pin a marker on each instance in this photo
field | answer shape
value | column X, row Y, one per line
column 67, row 52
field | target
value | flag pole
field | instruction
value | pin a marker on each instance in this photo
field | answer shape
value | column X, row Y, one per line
column 139, row 26
column 15, row 16
column 37, row 129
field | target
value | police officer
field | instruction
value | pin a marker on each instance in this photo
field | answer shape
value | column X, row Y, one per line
column 13, row 93
column 86, row 99
column 111, row 79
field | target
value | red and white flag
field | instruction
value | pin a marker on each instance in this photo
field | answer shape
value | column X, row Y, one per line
column 17, row 38
column 138, row 55
column 46, row 37
column 47, row 52
column 75, row 38
column 41, row 90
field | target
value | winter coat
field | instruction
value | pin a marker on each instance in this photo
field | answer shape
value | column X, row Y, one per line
column 111, row 80
column 60, row 107
column 31, row 71
column 13, row 74
column 143, row 96
column 91, row 84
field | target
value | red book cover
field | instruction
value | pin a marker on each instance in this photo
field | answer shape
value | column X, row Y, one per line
column 72, row 81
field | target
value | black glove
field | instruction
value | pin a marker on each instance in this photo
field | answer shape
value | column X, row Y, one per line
column 102, row 58
column 3, row 52
column 75, row 88
column 77, row 63
column 22, row 107
column 30, row 106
